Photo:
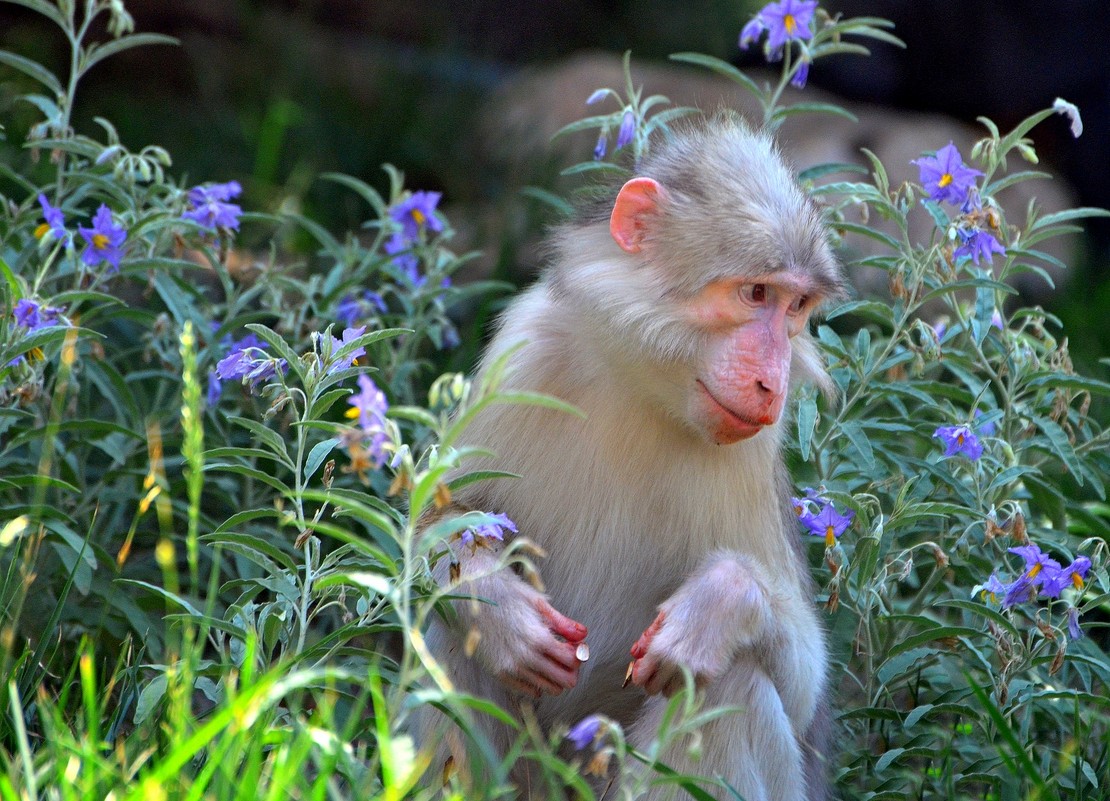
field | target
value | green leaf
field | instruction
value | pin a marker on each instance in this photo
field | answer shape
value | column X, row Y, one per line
column 317, row 455
column 99, row 52
column 266, row 436
column 246, row 516
column 258, row 550
column 1064, row 381
column 33, row 70
column 937, row 212
column 720, row 67
column 368, row 193
column 249, row 472
column 1058, row 441
column 862, row 444
column 812, row 108
column 1069, row 214
column 560, row 205
column 981, row 610
column 323, row 404
column 594, row 166
column 478, row 475
column 807, row 424
column 930, row 635
column 821, row 170
column 173, row 598
column 969, row 283
column 416, row 414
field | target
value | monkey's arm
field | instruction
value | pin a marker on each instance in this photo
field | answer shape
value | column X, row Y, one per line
column 507, row 624
column 726, row 606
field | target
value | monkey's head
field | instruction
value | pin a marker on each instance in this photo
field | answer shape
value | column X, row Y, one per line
column 704, row 279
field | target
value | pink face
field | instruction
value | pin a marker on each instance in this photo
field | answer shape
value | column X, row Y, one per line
column 740, row 384
column 744, row 376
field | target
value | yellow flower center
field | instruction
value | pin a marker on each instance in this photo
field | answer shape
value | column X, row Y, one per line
column 960, row 439
column 418, row 215
column 100, row 241
column 830, row 537
column 352, row 413
column 1077, row 580
column 1034, row 570
column 40, row 232
column 945, row 180
column 790, row 24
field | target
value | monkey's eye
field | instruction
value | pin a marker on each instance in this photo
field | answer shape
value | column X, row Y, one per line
column 798, row 304
column 754, row 293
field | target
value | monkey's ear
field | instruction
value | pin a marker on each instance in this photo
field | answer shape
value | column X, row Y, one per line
column 637, row 201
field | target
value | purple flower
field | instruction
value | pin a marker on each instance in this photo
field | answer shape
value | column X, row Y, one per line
column 1038, row 564
column 368, row 405
column 104, row 241
column 945, row 176
column 584, row 732
column 602, row 144
column 208, row 206
column 349, row 335
column 996, row 320
column 349, row 309
column 752, row 31
column 1055, row 580
column 33, row 316
column 1019, row 592
column 978, row 245
column 786, row 21
column 1074, row 631
column 993, row 587
column 399, row 248
column 55, row 222
column 215, row 389
column 959, row 439
column 415, row 212
column 239, row 363
column 494, row 530
column 597, row 96
column 627, row 129
column 805, row 508
column 801, row 75
column 828, row 523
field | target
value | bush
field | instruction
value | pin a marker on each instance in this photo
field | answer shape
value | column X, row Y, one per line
column 212, row 575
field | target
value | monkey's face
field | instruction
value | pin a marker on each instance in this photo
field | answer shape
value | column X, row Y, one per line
column 742, row 378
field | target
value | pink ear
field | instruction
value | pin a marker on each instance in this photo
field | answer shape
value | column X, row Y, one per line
column 636, row 202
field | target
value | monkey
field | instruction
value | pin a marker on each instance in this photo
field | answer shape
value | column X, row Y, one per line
column 673, row 312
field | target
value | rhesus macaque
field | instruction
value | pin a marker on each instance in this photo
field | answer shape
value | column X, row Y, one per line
column 674, row 314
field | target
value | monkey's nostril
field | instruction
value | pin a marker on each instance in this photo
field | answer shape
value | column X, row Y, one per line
column 763, row 388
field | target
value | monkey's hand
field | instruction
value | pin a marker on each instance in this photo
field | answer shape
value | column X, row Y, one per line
column 716, row 612
column 522, row 639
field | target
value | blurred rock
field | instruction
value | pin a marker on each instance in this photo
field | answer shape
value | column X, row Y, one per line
column 527, row 110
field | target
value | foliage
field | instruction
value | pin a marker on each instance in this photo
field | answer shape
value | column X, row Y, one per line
column 213, row 580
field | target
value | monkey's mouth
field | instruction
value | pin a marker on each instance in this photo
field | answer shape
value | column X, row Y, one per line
column 731, row 427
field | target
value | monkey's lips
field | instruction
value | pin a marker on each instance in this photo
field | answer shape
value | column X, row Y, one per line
column 727, row 426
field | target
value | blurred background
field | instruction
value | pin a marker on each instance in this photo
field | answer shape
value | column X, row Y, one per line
column 463, row 95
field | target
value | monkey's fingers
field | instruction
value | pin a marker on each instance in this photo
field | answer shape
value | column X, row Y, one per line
column 640, row 649
column 643, row 672
column 562, row 653
column 555, row 678
column 570, row 630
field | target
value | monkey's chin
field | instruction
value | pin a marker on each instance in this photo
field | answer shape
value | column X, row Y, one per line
column 724, row 426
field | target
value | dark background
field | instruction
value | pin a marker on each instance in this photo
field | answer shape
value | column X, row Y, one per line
column 273, row 93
